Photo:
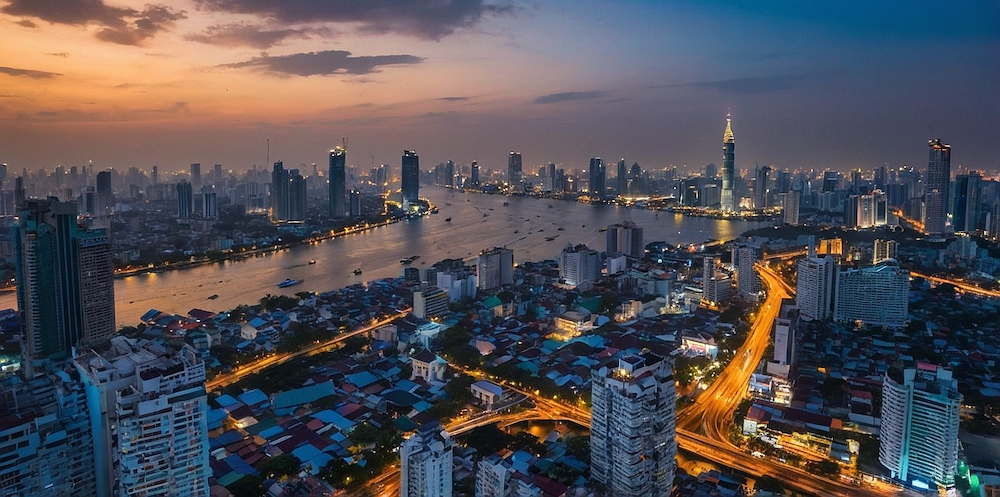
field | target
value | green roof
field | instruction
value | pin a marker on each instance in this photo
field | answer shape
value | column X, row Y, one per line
column 492, row 301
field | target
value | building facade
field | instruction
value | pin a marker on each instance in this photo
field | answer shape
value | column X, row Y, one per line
column 626, row 238
column 814, row 287
column 597, row 178
column 425, row 462
column 338, row 181
column 410, row 176
column 728, row 200
column 430, row 302
column 515, row 172
column 747, row 279
column 494, row 269
column 877, row 295
column 918, row 442
column 633, row 442
column 579, row 265
column 884, row 250
column 937, row 185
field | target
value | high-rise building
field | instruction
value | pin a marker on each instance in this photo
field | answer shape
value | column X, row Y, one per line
column 626, row 238
column 185, row 200
column 494, row 269
column 728, row 201
column 786, row 325
column 196, row 174
column 967, row 204
column 747, row 279
column 211, row 207
column 715, row 285
column 621, row 180
column 884, row 250
column 814, row 287
column 338, row 181
column 515, row 173
column 297, row 202
column 877, row 295
column 449, row 173
column 65, row 290
column 354, row 204
column 596, row 178
column 760, row 191
column 425, row 463
column 45, row 437
column 936, row 187
column 918, row 440
column 633, row 442
column 217, row 175
column 711, row 171
column 635, row 180
column 831, row 181
column 430, row 302
column 411, row 176
column 790, row 207
column 148, row 409
column 279, row 193
column 105, row 197
column 154, row 177
column 474, row 175
column 579, row 265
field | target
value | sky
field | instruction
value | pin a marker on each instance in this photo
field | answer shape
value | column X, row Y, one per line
column 838, row 85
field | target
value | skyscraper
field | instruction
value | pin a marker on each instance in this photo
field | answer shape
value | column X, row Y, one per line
column 296, row 196
column 411, row 176
column 877, row 295
column 148, row 409
column 918, row 440
column 196, row 174
column 814, row 286
column 633, row 442
column 967, row 204
column 596, row 178
column 579, row 265
column 185, row 200
column 627, row 238
column 105, row 198
column 936, row 188
column 621, row 181
column 449, row 173
column 790, row 207
column 884, row 250
column 279, row 192
column 338, row 181
column 728, row 202
column 154, row 177
column 474, row 174
column 515, row 174
column 494, row 269
column 760, row 191
column 747, row 279
column 715, row 285
column 425, row 463
column 65, row 290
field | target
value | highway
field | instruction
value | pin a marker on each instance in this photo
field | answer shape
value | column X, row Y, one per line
column 239, row 373
column 965, row 287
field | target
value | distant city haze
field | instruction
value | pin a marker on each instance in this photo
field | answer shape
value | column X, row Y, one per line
column 813, row 85
column 478, row 222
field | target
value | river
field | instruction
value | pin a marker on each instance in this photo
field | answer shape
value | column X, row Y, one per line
column 477, row 222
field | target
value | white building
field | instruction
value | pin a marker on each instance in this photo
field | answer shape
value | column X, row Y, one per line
column 430, row 302
column 633, row 432
column 487, row 393
column 786, row 325
column 496, row 477
column 428, row 366
column 918, row 442
column 494, row 269
column 579, row 265
column 716, row 285
column 790, row 207
column 426, row 463
column 876, row 295
column 747, row 279
column 459, row 284
column 884, row 250
column 148, row 409
column 814, row 287
column 625, row 238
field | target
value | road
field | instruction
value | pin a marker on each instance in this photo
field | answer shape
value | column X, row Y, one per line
column 965, row 287
column 239, row 373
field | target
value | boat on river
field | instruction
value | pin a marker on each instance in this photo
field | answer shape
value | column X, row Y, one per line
column 288, row 282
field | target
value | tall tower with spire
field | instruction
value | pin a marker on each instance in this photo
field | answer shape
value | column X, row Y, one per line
column 728, row 160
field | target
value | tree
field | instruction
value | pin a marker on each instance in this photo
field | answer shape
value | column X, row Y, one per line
column 486, row 439
column 770, row 484
column 279, row 466
column 248, row 486
column 578, row 447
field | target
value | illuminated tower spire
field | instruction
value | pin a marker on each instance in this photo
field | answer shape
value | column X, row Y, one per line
column 728, row 136
column 728, row 166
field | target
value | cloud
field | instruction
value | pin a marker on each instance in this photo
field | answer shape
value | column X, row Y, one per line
column 429, row 19
column 120, row 25
column 112, row 115
column 325, row 63
column 570, row 96
column 453, row 99
column 248, row 35
column 761, row 84
column 26, row 23
column 28, row 73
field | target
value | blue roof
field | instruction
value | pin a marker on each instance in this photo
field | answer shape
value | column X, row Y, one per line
column 253, row 397
column 362, row 379
column 328, row 416
column 304, row 395
column 225, row 439
column 257, row 322
column 225, row 400
column 272, row 432
column 239, row 465
column 216, row 417
column 306, row 452
column 150, row 314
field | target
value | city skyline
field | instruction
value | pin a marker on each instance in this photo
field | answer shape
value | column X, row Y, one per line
column 211, row 81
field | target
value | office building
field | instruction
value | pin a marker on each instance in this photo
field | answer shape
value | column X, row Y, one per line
column 196, row 174
column 596, row 178
column 814, row 287
column 716, row 285
column 354, row 204
column 148, row 409
column 411, row 177
column 579, row 265
column 790, row 207
column 211, row 205
column 338, row 181
column 621, row 180
column 380, row 177
column 918, row 440
column 633, row 442
column 45, row 437
column 494, row 269
column 831, row 181
column 474, row 174
column 185, row 200
column 105, row 196
column 884, row 250
column 967, row 206
column 728, row 201
column 626, row 238
column 760, row 191
column 430, row 302
column 425, row 463
column 297, row 203
column 279, row 193
column 877, row 295
column 747, row 279
column 936, row 187
column 515, row 173
column 866, row 210
column 65, row 286
column 786, row 325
